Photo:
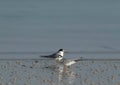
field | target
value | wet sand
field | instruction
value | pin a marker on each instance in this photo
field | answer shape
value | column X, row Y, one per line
column 44, row 72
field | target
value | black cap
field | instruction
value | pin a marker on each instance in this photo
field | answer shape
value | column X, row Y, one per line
column 60, row 49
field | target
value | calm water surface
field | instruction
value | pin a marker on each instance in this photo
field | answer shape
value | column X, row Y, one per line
column 49, row 25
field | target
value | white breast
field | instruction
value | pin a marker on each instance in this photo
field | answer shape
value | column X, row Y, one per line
column 61, row 53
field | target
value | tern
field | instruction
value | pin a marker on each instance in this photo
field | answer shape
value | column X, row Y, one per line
column 57, row 55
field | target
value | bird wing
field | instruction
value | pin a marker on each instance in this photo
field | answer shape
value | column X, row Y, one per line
column 54, row 55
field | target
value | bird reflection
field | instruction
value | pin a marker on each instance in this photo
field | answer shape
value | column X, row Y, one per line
column 64, row 76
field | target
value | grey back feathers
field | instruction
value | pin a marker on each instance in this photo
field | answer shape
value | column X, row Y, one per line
column 57, row 55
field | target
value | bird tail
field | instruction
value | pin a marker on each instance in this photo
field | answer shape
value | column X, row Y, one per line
column 45, row 56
